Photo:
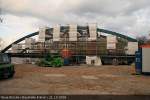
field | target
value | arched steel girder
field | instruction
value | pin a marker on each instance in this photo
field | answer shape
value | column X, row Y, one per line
column 19, row 40
column 65, row 29
column 117, row 34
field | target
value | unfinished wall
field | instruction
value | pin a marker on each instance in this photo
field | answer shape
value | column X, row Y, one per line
column 42, row 31
column 72, row 32
column 132, row 47
column 93, row 31
column 111, row 42
column 56, row 33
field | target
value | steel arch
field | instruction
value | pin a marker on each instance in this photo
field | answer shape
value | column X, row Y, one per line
column 66, row 28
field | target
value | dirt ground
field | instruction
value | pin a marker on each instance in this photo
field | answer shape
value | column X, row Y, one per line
column 31, row 79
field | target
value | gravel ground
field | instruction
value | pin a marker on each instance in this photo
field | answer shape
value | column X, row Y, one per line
column 31, row 79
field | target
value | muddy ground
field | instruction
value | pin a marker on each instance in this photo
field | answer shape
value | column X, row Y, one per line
column 31, row 79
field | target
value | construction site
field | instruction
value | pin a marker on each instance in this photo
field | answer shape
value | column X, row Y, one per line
column 75, row 59
column 76, row 45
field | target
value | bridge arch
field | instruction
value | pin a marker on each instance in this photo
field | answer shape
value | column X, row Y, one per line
column 66, row 28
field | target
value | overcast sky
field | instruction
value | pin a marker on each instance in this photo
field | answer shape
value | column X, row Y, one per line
column 21, row 17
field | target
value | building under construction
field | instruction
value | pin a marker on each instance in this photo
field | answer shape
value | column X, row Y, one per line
column 80, row 45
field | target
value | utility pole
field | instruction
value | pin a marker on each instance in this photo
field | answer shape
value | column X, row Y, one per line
column 1, row 19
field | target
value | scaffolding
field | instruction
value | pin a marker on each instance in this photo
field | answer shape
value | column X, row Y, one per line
column 85, row 42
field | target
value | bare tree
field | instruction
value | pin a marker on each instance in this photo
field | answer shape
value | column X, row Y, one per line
column 143, row 40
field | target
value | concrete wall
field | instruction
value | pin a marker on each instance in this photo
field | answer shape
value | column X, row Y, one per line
column 132, row 47
column 42, row 35
column 93, row 60
column 92, row 31
column 73, row 32
column 56, row 33
column 18, row 60
column 111, row 42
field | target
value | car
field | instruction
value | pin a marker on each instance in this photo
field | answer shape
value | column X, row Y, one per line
column 7, row 69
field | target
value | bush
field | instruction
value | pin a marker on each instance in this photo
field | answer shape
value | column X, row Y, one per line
column 44, row 63
column 48, row 57
column 54, row 62
column 57, row 62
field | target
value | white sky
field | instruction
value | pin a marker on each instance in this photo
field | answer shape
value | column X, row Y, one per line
column 22, row 17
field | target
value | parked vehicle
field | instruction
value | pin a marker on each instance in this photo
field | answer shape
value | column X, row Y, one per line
column 6, row 68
